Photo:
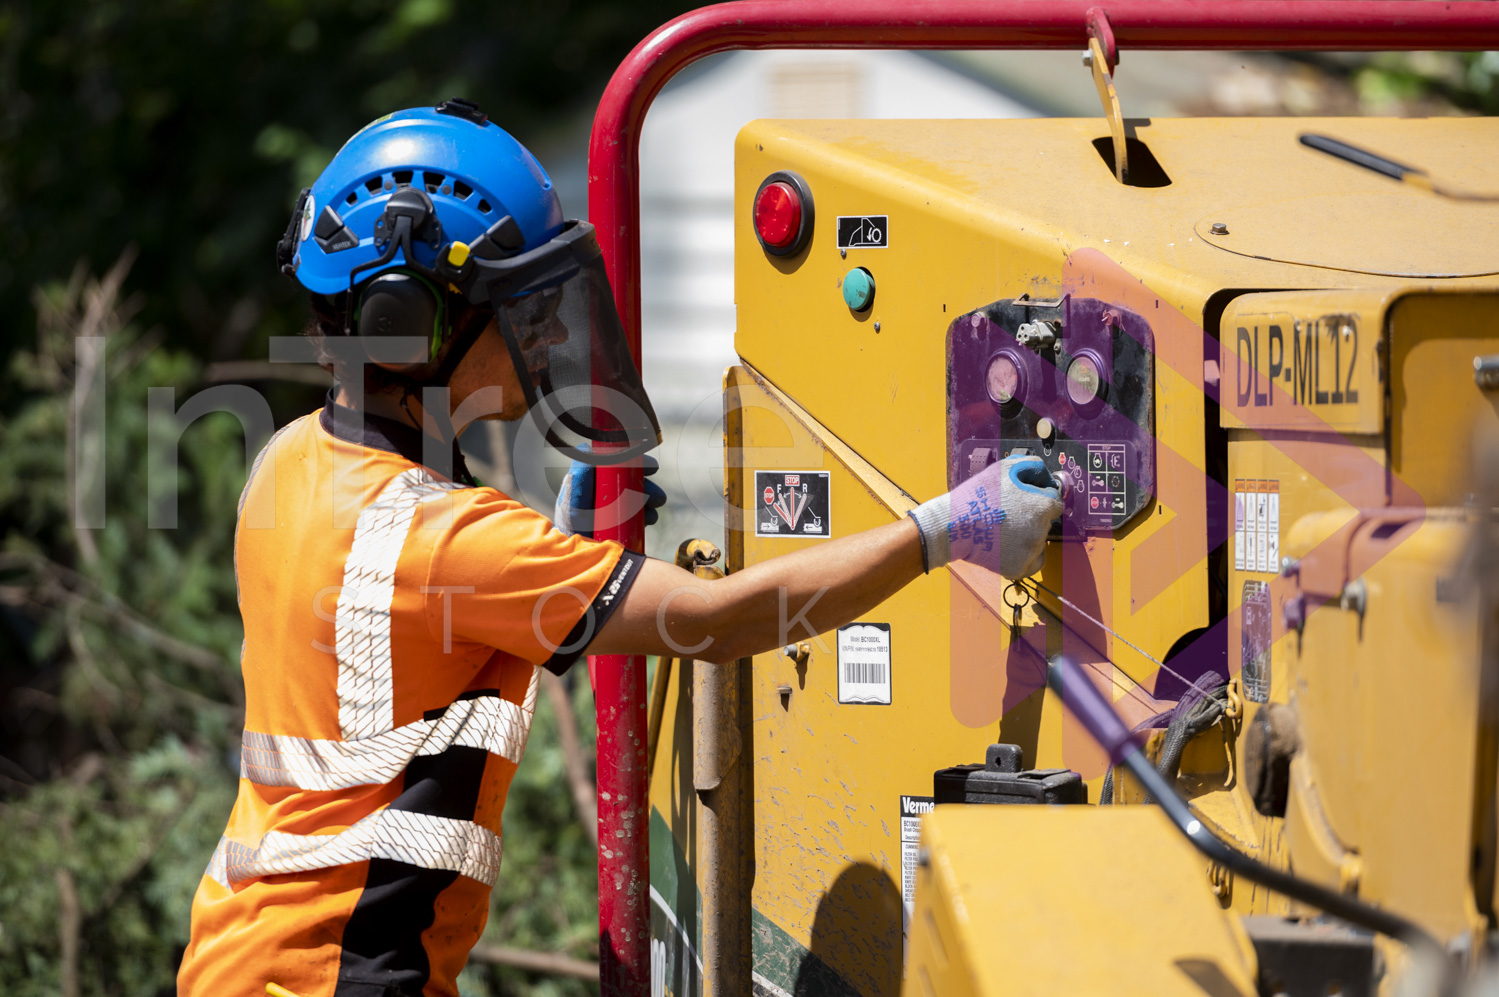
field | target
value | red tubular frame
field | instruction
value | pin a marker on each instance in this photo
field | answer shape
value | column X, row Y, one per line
column 614, row 207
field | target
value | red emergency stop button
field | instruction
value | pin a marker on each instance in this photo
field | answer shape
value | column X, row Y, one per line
column 782, row 213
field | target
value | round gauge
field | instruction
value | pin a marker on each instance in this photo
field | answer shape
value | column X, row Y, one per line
column 1084, row 380
column 1003, row 379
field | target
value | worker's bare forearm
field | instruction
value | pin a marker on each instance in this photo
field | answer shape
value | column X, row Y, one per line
column 769, row 604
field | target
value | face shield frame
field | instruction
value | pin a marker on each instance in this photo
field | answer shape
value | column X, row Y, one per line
column 556, row 314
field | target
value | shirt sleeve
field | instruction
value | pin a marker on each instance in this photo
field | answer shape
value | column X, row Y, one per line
column 500, row 574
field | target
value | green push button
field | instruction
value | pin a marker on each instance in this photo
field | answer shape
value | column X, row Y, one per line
column 858, row 289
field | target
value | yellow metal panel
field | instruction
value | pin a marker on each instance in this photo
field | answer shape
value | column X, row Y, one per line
column 982, row 210
column 1387, row 702
column 828, row 777
column 1068, row 900
column 671, row 780
column 1358, row 231
column 1436, row 408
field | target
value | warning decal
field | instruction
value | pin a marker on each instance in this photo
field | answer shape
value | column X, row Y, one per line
column 864, row 663
column 911, row 809
column 792, row 503
column 1257, row 525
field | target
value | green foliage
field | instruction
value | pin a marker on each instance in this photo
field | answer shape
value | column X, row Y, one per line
column 132, row 837
column 1391, row 82
column 131, row 646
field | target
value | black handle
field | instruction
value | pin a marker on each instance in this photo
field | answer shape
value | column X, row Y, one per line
column 1358, row 157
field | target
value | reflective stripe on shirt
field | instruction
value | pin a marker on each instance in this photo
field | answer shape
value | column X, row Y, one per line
column 417, row 839
column 362, row 626
column 489, row 722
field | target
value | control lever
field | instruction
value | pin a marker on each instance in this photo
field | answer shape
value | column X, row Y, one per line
column 1067, row 480
column 1082, row 698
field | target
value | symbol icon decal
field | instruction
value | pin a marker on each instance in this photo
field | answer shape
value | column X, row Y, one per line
column 793, row 504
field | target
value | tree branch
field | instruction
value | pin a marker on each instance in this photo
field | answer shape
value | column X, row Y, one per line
column 585, row 794
column 551, row 963
column 263, row 370
column 69, row 918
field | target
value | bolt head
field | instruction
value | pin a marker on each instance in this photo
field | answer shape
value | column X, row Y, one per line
column 1219, row 228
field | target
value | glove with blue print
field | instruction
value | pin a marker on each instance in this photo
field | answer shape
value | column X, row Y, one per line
column 574, row 510
column 997, row 519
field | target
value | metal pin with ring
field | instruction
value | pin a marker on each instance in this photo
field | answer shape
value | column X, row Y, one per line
column 1016, row 607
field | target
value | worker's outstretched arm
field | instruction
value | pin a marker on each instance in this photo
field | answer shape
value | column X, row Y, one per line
column 673, row 612
column 998, row 519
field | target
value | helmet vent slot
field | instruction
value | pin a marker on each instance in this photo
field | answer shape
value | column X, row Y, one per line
column 403, row 178
column 433, row 181
column 353, row 198
column 374, row 185
column 461, row 190
column 484, row 206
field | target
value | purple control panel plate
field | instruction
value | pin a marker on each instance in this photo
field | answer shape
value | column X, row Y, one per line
column 1071, row 381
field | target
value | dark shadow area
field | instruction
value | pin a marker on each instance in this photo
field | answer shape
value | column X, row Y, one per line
column 857, row 930
column 1021, row 723
column 1208, row 977
column 1144, row 169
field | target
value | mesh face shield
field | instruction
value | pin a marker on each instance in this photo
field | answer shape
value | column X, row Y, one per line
column 556, row 314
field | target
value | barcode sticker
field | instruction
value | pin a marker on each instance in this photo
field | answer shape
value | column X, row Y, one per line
column 864, row 663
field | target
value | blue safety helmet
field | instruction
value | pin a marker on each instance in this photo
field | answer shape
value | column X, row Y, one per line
column 473, row 171
column 428, row 206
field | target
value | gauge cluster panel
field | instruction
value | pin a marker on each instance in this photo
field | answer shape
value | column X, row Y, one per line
column 1071, row 381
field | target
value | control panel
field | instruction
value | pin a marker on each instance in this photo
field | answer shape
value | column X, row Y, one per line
column 1070, row 381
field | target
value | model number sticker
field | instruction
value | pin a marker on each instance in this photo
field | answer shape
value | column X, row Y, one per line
column 864, row 663
column 792, row 504
column 1313, row 363
column 863, row 231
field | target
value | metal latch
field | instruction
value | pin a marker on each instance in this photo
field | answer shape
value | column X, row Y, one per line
column 1102, row 58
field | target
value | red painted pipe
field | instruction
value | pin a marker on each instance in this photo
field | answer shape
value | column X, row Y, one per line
column 614, row 208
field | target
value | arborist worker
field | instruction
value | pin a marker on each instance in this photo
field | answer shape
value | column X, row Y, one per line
column 397, row 613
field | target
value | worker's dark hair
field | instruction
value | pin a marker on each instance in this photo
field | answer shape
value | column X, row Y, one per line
column 328, row 322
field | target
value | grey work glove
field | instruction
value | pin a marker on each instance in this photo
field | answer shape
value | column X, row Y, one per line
column 997, row 519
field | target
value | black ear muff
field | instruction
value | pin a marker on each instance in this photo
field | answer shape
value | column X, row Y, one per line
column 402, row 304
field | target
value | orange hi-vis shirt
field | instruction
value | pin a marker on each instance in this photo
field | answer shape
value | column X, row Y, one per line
column 396, row 621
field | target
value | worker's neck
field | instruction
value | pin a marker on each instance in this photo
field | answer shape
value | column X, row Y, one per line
column 404, row 407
